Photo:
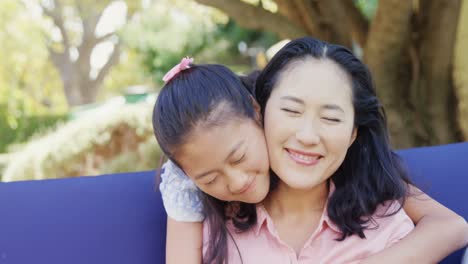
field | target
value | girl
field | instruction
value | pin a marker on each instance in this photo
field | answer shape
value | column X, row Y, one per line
column 202, row 106
column 313, row 174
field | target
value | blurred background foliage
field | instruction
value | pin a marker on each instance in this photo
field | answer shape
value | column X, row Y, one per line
column 46, row 137
column 78, row 78
column 164, row 33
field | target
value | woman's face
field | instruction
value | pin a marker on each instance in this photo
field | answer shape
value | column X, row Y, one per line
column 309, row 122
column 228, row 161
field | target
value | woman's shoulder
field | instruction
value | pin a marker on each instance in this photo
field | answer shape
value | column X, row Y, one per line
column 390, row 210
column 391, row 222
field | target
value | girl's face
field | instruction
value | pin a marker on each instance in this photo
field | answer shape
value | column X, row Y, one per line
column 228, row 161
column 309, row 122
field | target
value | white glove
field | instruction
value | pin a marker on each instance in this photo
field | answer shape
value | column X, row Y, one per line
column 180, row 195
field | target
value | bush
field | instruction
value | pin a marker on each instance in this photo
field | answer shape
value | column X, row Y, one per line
column 105, row 140
column 25, row 127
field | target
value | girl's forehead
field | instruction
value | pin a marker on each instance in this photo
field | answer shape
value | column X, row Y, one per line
column 218, row 137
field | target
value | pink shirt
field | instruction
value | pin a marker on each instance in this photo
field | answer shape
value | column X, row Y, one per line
column 261, row 244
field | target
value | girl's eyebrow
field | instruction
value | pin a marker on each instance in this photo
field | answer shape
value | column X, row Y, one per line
column 203, row 174
column 234, row 149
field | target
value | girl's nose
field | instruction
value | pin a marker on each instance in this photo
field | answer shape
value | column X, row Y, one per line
column 237, row 181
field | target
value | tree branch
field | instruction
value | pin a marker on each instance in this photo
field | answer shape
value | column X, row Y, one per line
column 253, row 17
column 113, row 59
column 89, row 40
column 90, row 18
column 104, row 37
column 358, row 23
column 310, row 17
column 333, row 11
column 289, row 10
column 57, row 18
column 90, row 87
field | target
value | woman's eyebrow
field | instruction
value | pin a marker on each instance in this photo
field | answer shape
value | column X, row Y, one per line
column 292, row 98
column 333, row 107
column 300, row 101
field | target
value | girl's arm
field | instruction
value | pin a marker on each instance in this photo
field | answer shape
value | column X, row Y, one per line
column 183, row 206
column 438, row 232
column 184, row 242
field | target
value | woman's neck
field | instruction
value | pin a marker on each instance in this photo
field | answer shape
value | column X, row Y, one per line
column 285, row 200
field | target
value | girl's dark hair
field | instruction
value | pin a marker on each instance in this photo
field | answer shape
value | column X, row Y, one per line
column 249, row 80
column 206, row 95
column 371, row 172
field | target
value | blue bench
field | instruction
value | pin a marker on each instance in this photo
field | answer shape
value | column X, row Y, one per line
column 119, row 219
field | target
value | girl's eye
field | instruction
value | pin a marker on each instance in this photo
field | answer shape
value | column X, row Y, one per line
column 239, row 160
column 212, row 181
column 290, row 111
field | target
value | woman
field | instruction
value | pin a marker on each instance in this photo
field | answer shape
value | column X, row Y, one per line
column 323, row 98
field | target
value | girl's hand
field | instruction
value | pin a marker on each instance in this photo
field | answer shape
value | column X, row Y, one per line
column 180, row 195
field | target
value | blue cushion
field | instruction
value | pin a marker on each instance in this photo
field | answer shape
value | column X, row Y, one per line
column 116, row 219
column 441, row 172
column 120, row 219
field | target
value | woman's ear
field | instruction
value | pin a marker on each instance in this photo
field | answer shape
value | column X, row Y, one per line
column 258, row 110
column 353, row 136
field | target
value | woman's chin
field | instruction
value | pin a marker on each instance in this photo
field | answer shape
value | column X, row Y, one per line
column 305, row 184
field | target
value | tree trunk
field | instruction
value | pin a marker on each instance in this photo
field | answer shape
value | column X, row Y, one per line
column 386, row 55
column 437, row 30
column 79, row 87
column 67, row 72
column 72, row 92
column 460, row 71
column 408, row 47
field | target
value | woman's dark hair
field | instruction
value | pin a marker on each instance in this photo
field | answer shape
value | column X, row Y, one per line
column 205, row 95
column 371, row 172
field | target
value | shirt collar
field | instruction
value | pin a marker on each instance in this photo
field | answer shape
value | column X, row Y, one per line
column 325, row 218
column 262, row 216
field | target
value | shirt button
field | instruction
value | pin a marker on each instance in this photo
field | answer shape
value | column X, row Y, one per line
column 292, row 257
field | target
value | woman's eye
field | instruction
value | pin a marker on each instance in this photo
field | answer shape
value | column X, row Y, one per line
column 335, row 120
column 290, row 111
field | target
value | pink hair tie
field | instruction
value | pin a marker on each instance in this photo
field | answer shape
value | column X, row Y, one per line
column 183, row 65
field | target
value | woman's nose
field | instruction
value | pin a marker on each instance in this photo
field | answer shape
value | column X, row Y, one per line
column 307, row 133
